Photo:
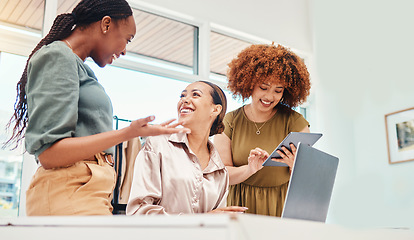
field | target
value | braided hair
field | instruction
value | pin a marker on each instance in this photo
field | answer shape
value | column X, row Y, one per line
column 85, row 13
column 219, row 98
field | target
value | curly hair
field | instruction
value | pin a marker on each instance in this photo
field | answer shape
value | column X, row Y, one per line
column 260, row 63
column 85, row 13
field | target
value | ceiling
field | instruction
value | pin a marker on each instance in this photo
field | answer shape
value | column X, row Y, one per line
column 157, row 37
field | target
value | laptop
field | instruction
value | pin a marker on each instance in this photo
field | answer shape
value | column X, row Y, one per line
column 311, row 183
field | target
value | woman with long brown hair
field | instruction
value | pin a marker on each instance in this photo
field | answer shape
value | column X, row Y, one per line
column 183, row 173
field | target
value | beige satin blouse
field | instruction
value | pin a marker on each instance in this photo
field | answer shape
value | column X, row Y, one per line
column 168, row 179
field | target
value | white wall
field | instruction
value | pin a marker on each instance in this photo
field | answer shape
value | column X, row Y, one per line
column 364, row 58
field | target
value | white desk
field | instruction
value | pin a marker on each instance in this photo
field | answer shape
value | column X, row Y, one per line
column 199, row 227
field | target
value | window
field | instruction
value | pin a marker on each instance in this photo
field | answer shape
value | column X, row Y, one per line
column 23, row 13
column 11, row 68
column 160, row 38
column 136, row 95
column 65, row 6
column 223, row 50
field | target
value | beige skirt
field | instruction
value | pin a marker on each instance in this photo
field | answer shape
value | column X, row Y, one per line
column 84, row 188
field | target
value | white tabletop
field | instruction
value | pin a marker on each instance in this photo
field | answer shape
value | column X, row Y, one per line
column 198, row 226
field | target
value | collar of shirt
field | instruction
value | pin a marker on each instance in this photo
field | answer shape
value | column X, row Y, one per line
column 214, row 155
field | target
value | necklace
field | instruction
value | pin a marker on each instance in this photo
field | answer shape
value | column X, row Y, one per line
column 69, row 44
column 258, row 128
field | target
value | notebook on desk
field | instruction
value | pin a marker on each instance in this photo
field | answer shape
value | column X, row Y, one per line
column 311, row 183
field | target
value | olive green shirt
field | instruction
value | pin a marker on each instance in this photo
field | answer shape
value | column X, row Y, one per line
column 242, row 133
column 264, row 192
column 64, row 99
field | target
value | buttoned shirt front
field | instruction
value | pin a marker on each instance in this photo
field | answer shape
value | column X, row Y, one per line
column 168, row 179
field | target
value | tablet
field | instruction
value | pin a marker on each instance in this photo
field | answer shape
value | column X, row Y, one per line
column 293, row 137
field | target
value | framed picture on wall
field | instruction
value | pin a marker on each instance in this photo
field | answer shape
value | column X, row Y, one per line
column 399, row 128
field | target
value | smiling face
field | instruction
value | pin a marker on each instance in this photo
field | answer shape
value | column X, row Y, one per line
column 116, row 34
column 267, row 95
column 196, row 107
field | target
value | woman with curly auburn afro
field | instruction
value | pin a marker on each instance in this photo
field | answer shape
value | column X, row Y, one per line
column 276, row 80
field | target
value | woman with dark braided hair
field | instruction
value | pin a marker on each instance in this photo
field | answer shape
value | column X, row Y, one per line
column 183, row 173
column 67, row 116
column 277, row 80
